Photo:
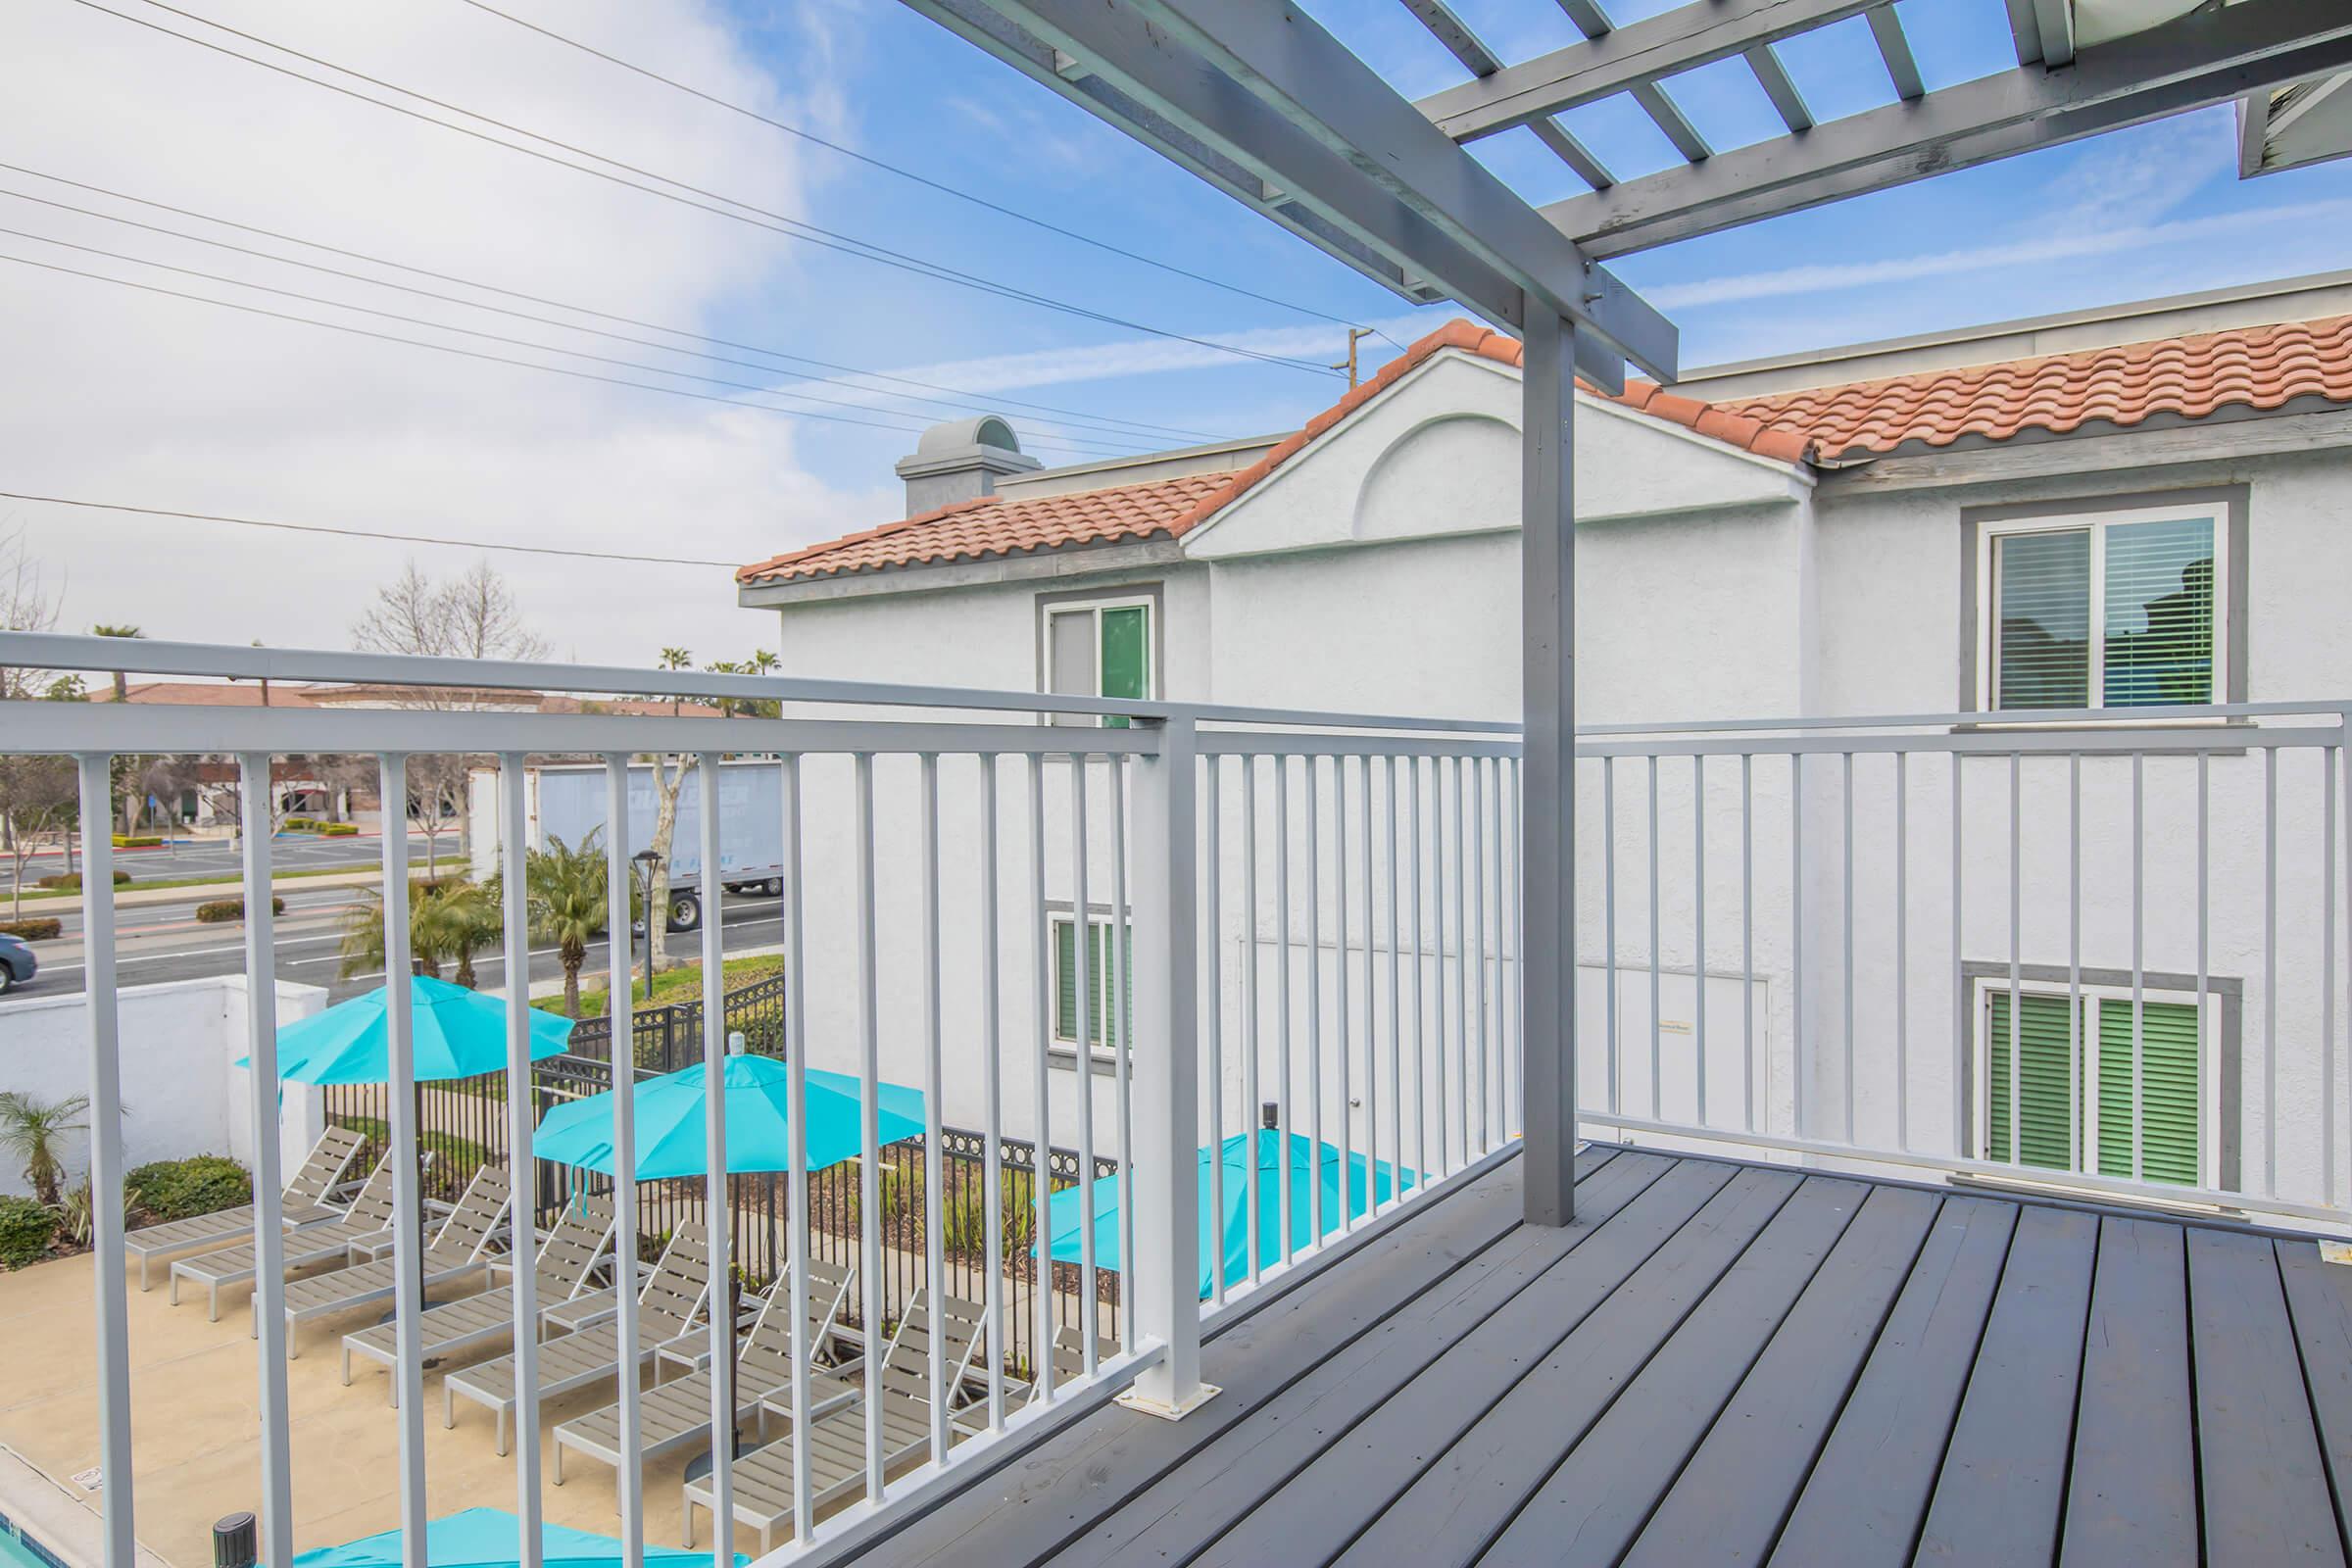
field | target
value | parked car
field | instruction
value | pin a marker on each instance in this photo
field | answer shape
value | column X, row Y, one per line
column 17, row 963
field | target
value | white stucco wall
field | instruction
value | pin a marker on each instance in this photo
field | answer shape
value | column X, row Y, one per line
column 1378, row 571
column 183, row 1093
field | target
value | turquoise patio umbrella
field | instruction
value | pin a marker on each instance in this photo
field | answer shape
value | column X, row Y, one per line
column 487, row 1538
column 1227, row 1235
column 457, row 1033
column 669, row 1121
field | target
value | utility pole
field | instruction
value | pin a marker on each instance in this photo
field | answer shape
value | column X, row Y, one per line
column 1355, row 335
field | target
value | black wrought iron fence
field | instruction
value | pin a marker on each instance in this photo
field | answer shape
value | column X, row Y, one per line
column 461, row 1125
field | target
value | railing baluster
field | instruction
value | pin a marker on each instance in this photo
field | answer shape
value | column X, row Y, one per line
column 2017, row 1129
column 1395, row 838
column 1747, row 937
column 522, row 1118
column 1421, row 1084
column 2328, row 977
column 1253, row 1044
column 1902, row 951
column 1963, row 1004
column 1285, row 1117
column 1212, row 996
column 408, row 1204
column 991, row 1079
column 1608, row 923
column 1314, row 1002
column 1437, row 895
column 1461, row 971
column 2269, row 979
column 2209, row 1072
column 718, row 1197
column 620, row 1049
column 796, row 1087
column 1699, row 928
column 1657, row 1084
column 1516, row 1103
column 109, row 1270
column 1477, row 950
column 1799, row 1034
column 2076, row 1157
column 2139, row 1074
column 1041, row 1179
column 268, row 1236
column 1846, row 966
column 1082, row 1077
column 934, row 1272
column 1339, row 882
column 1116, row 1026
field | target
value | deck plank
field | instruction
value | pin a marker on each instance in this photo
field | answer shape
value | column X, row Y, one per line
column 1450, row 1512
column 1199, row 1498
column 1321, row 1506
column 2000, row 1497
column 2318, row 1298
column 2265, row 1495
column 1042, row 1497
column 1866, row 1495
column 1590, row 1508
column 2132, row 1500
column 1728, row 1504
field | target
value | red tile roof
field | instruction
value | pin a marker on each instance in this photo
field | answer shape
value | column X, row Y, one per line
column 2261, row 368
column 2258, row 368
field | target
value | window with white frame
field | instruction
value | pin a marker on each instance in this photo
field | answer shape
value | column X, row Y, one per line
column 1105, row 972
column 2074, row 1102
column 1100, row 648
column 2119, row 609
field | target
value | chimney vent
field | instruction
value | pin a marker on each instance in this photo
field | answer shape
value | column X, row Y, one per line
column 962, row 460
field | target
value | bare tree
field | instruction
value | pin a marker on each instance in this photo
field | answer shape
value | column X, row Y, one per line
column 27, row 604
column 38, row 797
column 472, row 616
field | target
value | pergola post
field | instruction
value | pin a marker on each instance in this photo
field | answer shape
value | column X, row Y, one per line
column 1547, row 629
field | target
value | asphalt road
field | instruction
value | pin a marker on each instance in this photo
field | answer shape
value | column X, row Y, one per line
column 290, row 851
column 161, row 942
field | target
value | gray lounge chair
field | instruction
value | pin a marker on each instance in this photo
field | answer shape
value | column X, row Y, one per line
column 836, row 1441
column 562, row 1271
column 304, row 1202
column 368, row 1219
column 667, row 1307
column 460, row 1250
column 676, row 1414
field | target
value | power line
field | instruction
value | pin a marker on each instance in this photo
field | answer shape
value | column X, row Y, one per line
column 516, row 342
column 736, row 209
column 1106, row 427
column 986, row 401
column 366, row 533
column 924, row 180
column 450, row 348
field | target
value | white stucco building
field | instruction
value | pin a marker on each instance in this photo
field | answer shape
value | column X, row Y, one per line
column 2101, row 510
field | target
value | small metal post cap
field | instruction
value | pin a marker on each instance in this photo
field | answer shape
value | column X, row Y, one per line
column 237, row 1542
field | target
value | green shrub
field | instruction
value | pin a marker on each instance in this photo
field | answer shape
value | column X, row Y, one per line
column 219, row 909
column 31, row 930
column 183, row 1188
column 25, row 1231
column 338, row 830
column 71, row 881
column 136, row 841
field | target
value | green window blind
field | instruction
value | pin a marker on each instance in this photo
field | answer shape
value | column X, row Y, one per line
column 2045, row 1090
column 1126, row 655
column 1099, row 978
column 2168, row 1052
column 2042, row 647
column 2160, row 613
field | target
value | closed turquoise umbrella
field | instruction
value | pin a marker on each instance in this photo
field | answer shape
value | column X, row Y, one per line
column 488, row 1538
column 457, row 1033
column 669, row 1121
column 1227, row 1235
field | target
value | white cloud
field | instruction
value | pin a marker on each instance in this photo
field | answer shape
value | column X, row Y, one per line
column 119, row 395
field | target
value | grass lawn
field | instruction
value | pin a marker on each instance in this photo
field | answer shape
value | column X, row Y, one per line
column 142, row 884
column 683, row 984
column 462, row 1154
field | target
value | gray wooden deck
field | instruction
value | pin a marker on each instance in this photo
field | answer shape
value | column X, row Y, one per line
column 1727, row 1363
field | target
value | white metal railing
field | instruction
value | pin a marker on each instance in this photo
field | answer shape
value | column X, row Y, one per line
column 1802, row 936
column 1325, row 913
column 917, row 953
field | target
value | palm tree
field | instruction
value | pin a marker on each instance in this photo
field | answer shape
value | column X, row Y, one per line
column 122, row 684
column 675, row 659
column 566, row 900
column 35, row 1133
column 448, row 923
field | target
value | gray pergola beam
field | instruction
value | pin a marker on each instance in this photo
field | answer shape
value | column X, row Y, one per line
column 1779, row 87
column 1427, row 220
column 1902, row 67
column 1623, row 59
column 1466, row 46
column 1283, row 58
column 2207, row 56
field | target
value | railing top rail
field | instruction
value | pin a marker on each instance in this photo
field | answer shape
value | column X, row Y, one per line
column 74, row 652
column 2005, row 721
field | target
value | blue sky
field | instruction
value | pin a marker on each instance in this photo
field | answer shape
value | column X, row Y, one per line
column 192, row 400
